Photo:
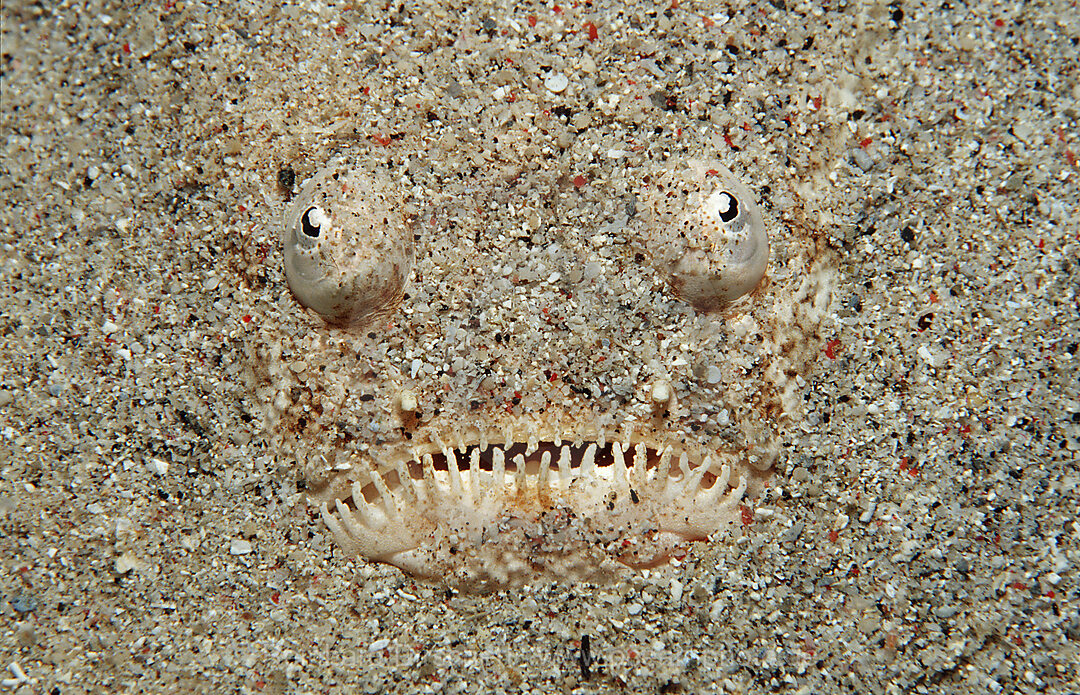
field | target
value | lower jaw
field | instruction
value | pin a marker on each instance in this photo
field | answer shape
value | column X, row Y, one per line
column 485, row 516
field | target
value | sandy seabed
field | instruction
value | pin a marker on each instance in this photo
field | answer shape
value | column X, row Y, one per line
column 919, row 533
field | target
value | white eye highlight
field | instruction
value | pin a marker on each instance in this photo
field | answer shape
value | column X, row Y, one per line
column 708, row 235
column 348, row 246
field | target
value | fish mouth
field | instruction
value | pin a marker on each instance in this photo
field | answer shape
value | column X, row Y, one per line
column 489, row 515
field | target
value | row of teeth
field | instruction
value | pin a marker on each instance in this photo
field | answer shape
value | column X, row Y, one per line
column 629, row 482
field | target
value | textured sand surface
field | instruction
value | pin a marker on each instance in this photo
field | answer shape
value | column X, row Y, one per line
column 919, row 532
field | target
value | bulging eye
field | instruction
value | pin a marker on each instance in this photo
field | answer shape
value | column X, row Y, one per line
column 349, row 265
column 711, row 241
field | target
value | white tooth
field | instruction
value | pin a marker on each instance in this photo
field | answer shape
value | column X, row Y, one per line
column 677, row 485
column 431, row 480
column 601, row 438
column 564, row 466
column 684, row 465
column 588, row 462
column 557, row 441
column 508, row 437
column 545, row 472
column 367, row 514
column 483, row 440
column 532, row 444
column 639, row 471
column 452, row 472
column 718, row 488
column 405, row 481
column 460, row 441
column 474, row 475
column 663, row 469
column 693, row 481
column 348, row 520
column 331, row 521
column 519, row 474
column 389, row 499
column 622, row 484
column 498, row 466
column 738, row 492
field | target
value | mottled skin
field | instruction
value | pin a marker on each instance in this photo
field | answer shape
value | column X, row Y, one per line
column 489, row 350
column 546, row 300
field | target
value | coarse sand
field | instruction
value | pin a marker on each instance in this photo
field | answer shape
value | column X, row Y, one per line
column 165, row 404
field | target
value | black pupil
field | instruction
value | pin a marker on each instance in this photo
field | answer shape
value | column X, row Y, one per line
column 310, row 230
column 732, row 208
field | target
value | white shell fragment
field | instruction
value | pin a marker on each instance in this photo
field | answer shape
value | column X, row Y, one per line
column 348, row 246
column 708, row 235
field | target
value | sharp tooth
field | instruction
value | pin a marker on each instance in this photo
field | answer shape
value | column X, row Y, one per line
column 331, row 522
column 738, row 492
column 389, row 499
column 588, row 462
column 508, row 437
column 663, row 469
column 363, row 508
column 452, row 472
column 622, row 483
column 405, row 481
column 348, row 520
column 519, row 474
column 474, row 475
column 498, row 466
column 641, row 463
column 564, row 466
column 693, row 481
column 532, row 444
column 718, row 488
column 483, row 440
column 557, row 440
column 544, row 480
column 431, row 481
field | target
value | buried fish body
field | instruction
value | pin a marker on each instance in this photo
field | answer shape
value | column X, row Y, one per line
column 570, row 398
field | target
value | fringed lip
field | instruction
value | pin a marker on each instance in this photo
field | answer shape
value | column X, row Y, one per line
column 501, row 513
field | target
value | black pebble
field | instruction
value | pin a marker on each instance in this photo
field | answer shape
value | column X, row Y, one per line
column 286, row 177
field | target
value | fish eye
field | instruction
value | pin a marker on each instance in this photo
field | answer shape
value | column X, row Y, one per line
column 712, row 242
column 350, row 268
column 727, row 206
column 312, row 221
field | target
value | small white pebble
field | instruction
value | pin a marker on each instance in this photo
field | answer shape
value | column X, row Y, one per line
column 556, row 82
column 634, row 608
column 157, row 466
column 378, row 645
column 238, row 546
column 713, row 374
column 127, row 562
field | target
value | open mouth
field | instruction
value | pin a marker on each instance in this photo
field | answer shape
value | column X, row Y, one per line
column 544, row 507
